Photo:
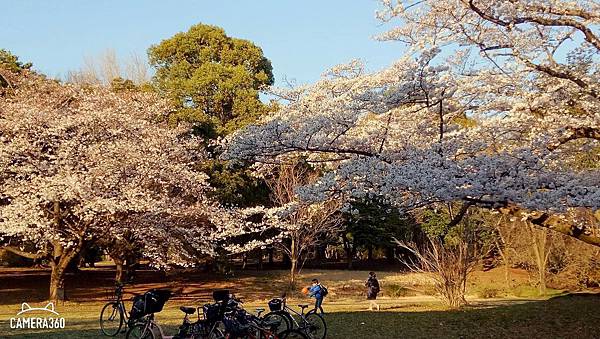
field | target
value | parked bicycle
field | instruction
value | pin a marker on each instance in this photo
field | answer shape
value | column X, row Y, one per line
column 240, row 324
column 311, row 323
column 207, row 327
column 141, row 317
column 114, row 316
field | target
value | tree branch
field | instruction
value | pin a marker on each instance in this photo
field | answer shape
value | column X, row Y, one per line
column 24, row 254
column 576, row 133
column 557, row 224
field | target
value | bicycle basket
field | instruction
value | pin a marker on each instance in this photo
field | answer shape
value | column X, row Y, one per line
column 221, row 295
column 212, row 312
column 150, row 302
column 275, row 304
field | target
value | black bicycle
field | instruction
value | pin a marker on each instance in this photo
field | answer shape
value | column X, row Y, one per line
column 311, row 323
column 240, row 324
column 208, row 327
column 114, row 315
column 141, row 318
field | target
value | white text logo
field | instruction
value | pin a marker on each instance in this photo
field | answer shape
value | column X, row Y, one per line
column 25, row 318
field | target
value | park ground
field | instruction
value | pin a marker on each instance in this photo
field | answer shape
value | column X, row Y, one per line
column 409, row 309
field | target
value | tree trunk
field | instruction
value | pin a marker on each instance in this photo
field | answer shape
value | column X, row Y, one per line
column 287, row 243
column 131, row 264
column 293, row 272
column 59, row 266
column 370, row 253
column 57, row 283
column 260, row 259
column 81, row 263
column 119, row 271
column 270, row 251
column 320, row 253
column 504, row 255
column 390, row 254
column 539, row 238
column 348, row 249
column 293, row 260
column 349, row 258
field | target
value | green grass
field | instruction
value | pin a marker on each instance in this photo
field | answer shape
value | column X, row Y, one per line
column 569, row 316
column 487, row 291
column 560, row 317
column 408, row 308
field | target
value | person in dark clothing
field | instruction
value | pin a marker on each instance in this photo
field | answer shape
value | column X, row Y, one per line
column 373, row 289
column 316, row 291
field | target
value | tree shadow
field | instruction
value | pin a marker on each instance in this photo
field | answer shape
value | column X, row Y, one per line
column 567, row 316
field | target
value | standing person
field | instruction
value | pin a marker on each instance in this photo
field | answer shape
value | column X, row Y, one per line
column 373, row 289
column 316, row 291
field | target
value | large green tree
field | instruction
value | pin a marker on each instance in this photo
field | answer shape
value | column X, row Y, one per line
column 213, row 80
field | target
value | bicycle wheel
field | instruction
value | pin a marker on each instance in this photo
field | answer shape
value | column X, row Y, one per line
column 215, row 334
column 111, row 319
column 140, row 331
column 281, row 317
column 293, row 334
column 316, row 326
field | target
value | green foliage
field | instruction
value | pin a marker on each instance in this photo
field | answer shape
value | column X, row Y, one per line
column 235, row 186
column 119, row 85
column 587, row 159
column 122, row 85
column 487, row 292
column 11, row 62
column 434, row 222
column 472, row 227
column 377, row 225
column 214, row 80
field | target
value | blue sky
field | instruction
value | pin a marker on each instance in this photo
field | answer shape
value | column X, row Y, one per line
column 301, row 38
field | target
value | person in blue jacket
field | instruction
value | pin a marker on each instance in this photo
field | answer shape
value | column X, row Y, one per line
column 316, row 291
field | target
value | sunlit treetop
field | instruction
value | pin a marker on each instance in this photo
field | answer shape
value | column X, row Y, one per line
column 213, row 79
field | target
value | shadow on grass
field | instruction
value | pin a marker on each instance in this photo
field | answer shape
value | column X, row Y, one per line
column 574, row 316
column 571, row 316
column 73, row 330
column 31, row 285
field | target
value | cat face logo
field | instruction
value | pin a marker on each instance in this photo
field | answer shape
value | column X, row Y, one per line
column 26, row 308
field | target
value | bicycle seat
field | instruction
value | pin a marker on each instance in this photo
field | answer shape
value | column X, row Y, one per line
column 187, row 309
column 303, row 306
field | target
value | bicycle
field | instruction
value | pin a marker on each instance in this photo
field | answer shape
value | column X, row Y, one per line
column 114, row 314
column 311, row 323
column 147, row 328
column 240, row 324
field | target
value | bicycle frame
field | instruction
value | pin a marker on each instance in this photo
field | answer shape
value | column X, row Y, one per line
column 291, row 310
column 150, row 324
column 119, row 300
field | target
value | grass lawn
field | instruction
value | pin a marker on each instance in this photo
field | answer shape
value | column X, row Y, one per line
column 573, row 316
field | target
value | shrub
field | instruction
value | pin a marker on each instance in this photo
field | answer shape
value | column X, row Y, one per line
column 489, row 292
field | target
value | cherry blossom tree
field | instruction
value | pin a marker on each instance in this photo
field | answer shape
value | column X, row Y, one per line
column 307, row 224
column 291, row 224
column 78, row 164
column 490, row 107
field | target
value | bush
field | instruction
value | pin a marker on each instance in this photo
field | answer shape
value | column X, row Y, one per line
column 490, row 292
